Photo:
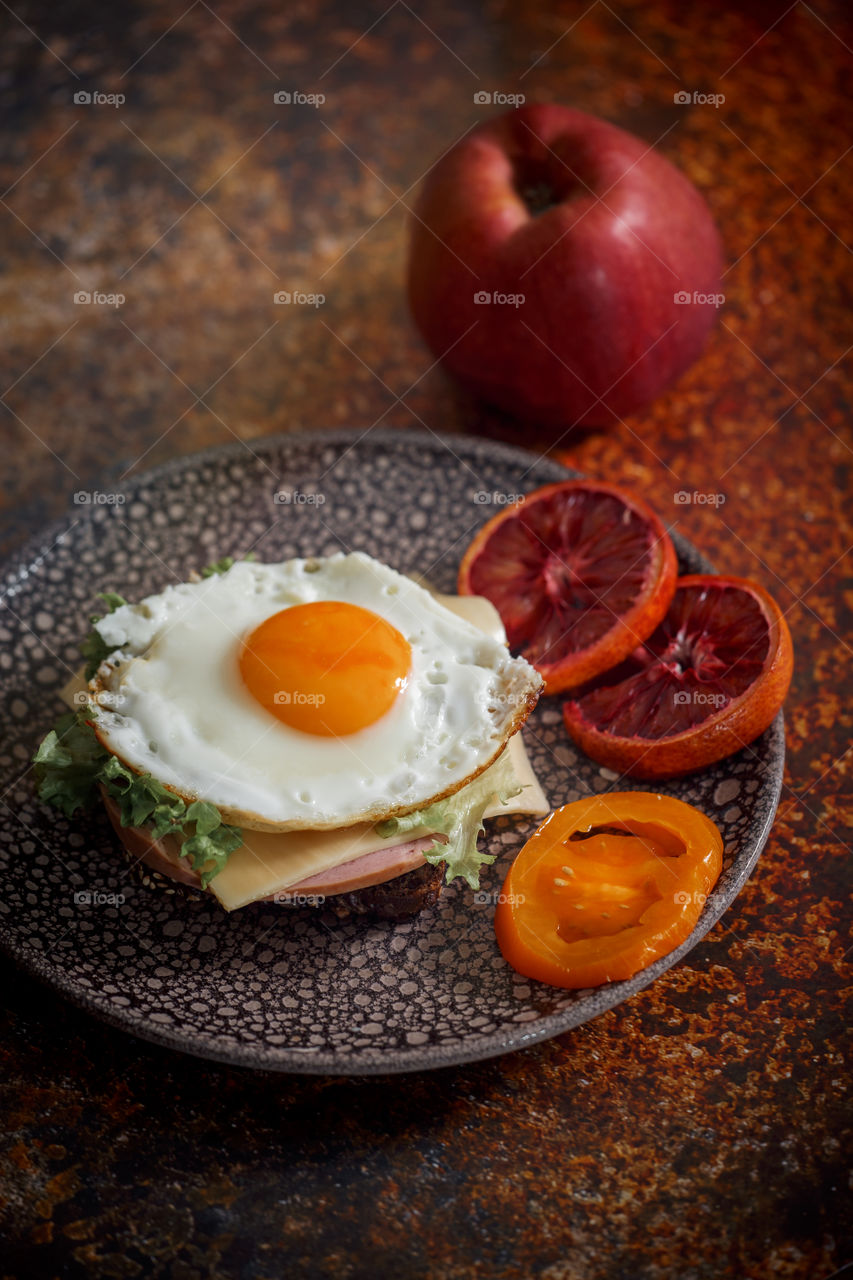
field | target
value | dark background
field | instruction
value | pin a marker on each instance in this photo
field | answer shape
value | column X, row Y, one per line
column 699, row 1130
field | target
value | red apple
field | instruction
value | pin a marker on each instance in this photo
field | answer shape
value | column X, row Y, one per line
column 600, row 261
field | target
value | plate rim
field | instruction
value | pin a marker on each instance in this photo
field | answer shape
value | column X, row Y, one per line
column 286, row 1058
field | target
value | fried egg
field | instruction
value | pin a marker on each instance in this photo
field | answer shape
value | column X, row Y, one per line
column 309, row 694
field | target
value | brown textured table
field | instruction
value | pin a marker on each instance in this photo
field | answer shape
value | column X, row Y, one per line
column 699, row 1130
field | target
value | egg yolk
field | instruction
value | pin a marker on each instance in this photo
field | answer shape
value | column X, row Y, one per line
column 327, row 668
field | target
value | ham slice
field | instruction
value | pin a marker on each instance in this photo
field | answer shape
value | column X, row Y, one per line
column 160, row 855
column 361, row 873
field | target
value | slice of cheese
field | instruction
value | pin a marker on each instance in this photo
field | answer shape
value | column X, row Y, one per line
column 271, row 862
column 74, row 690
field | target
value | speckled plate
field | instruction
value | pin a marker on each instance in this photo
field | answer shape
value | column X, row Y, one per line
column 267, row 987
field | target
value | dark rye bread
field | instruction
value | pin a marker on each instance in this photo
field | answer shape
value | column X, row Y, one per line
column 398, row 899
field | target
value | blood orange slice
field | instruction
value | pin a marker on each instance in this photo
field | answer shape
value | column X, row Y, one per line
column 707, row 682
column 580, row 572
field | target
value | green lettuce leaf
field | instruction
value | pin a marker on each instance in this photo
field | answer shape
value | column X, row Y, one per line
column 67, row 763
column 460, row 818
column 223, row 565
column 71, row 765
column 94, row 648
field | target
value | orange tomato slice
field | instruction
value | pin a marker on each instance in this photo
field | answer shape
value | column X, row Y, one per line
column 605, row 886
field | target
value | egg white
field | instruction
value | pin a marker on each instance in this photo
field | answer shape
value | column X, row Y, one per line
column 171, row 701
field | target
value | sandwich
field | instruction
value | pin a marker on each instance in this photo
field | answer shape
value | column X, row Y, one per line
column 311, row 732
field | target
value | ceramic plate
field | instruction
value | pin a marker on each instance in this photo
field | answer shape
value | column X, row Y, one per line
column 296, row 990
